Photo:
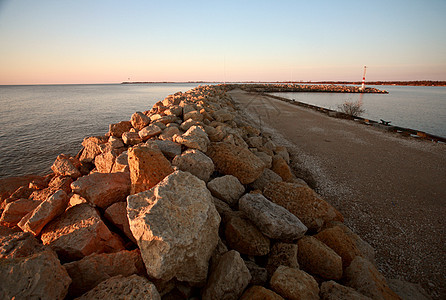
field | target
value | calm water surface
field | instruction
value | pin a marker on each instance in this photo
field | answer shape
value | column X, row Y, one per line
column 37, row 123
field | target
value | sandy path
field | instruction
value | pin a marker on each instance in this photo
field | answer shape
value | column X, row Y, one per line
column 392, row 190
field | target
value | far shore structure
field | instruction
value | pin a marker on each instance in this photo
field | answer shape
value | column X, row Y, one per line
column 190, row 199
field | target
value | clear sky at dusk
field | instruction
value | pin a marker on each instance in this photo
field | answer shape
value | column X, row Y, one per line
column 79, row 41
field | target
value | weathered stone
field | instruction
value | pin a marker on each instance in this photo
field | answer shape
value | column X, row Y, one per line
column 60, row 183
column 265, row 157
column 15, row 211
column 91, row 147
column 331, row 290
column 104, row 162
column 117, row 214
column 187, row 124
column 194, row 115
column 244, row 237
column 139, row 120
column 294, row 284
column 283, row 152
column 148, row 166
column 121, row 163
column 257, row 292
column 174, row 110
column 282, row 169
column 76, row 199
column 195, row 137
column 10, row 184
column 318, row 259
column 303, row 202
column 167, row 119
column 223, row 115
column 236, row 161
column 64, row 167
column 169, row 133
column 196, row 163
column 223, row 209
column 49, row 209
column 118, row 129
column 131, row 138
column 22, row 192
column 19, row 244
column 282, row 254
column 176, row 226
column 363, row 276
column 115, row 142
column 259, row 275
column 215, row 134
column 120, row 287
column 95, row 268
column 39, row 276
column 149, row 131
column 268, row 176
column 103, row 189
column 229, row 279
column 227, row 188
column 79, row 232
column 255, row 142
column 273, row 220
column 168, row 148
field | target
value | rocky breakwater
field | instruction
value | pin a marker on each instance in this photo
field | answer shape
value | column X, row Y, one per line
column 307, row 88
column 185, row 201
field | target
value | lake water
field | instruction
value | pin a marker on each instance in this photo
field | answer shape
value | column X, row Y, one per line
column 419, row 108
column 39, row 122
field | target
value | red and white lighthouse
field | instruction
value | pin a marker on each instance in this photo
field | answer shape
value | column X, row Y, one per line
column 363, row 79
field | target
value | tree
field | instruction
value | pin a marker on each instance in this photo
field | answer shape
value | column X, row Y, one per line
column 352, row 108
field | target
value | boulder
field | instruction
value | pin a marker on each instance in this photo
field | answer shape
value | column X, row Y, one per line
column 46, row 211
column 139, row 120
column 131, row 138
column 294, row 284
column 92, row 148
column 189, row 123
column 39, row 276
column 79, row 232
column 169, row 133
column 227, row 188
column 104, row 162
column 193, row 115
column 223, row 115
column 15, row 211
column 22, row 192
column 282, row 254
column 259, row 275
column 148, row 166
column 281, row 167
column 318, row 259
column 176, row 226
column 117, row 214
column 103, row 189
column 268, row 176
column 195, row 137
column 283, row 152
column 10, row 184
column 120, row 287
column 60, row 183
column 229, row 279
column 265, row 157
column 196, row 163
column 244, row 237
column 168, row 148
column 174, row 110
column 149, row 131
column 19, row 244
column 237, row 161
column 121, row 163
column 95, row 268
column 303, row 202
column 363, row 276
column 331, row 290
column 257, row 292
column 255, row 142
column 63, row 166
column 118, row 129
column 273, row 220
column 76, row 199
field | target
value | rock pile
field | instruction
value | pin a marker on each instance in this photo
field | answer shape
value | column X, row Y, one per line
column 186, row 200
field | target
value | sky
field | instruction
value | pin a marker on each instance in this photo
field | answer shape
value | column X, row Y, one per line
column 98, row 41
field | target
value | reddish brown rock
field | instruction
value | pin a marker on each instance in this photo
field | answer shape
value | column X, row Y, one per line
column 257, row 292
column 131, row 138
column 15, row 211
column 104, row 162
column 22, row 192
column 76, row 199
column 282, row 254
column 294, row 284
column 118, row 129
column 149, row 131
column 237, row 161
column 10, row 184
column 92, row 148
column 63, row 166
column 318, row 259
column 117, row 214
column 95, row 268
column 268, row 176
column 19, row 244
column 303, row 202
column 139, row 120
column 60, row 183
column 148, row 166
column 79, row 232
column 121, row 163
column 103, row 189
column 281, row 167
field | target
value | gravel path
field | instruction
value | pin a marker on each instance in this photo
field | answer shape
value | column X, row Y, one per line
column 391, row 190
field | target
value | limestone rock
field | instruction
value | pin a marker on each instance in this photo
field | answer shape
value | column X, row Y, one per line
column 236, row 161
column 118, row 129
column 104, row 162
column 227, row 188
column 95, row 268
column 273, row 220
column 189, row 123
column 79, row 232
column 195, row 137
column 363, row 276
column 174, row 110
column 194, row 115
column 131, row 138
column 60, row 183
column 10, row 184
column 121, row 163
column 44, row 213
column 168, row 148
column 176, row 226
column 265, row 157
column 282, row 169
column 259, row 275
column 117, row 214
column 229, row 279
column 149, row 131
column 223, row 115
column 39, row 276
column 64, row 167
column 303, row 202
column 244, row 237
column 92, row 148
column 257, row 292
column 15, row 211
column 103, row 189
column 268, row 176
column 148, row 166
column 139, row 120
column 255, row 142
column 294, row 284
column 76, row 199
column 19, row 244
column 196, row 163
column 282, row 254
column 169, row 133
column 318, row 259
column 331, row 290
column 283, row 152
column 120, row 287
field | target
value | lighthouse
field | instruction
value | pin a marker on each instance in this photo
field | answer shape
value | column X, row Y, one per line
column 363, row 79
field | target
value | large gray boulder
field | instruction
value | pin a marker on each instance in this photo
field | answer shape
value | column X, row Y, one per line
column 227, row 188
column 196, row 163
